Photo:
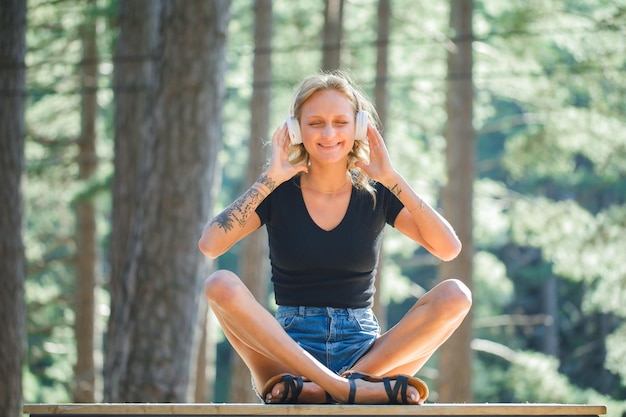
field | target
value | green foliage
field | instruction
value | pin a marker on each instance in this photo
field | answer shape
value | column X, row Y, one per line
column 493, row 290
column 542, row 223
column 396, row 287
column 549, row 70
column 53, row 126
column 590, row 252
column 573, row 133
column 492, row 222
column 535, row 378
column 616, row 352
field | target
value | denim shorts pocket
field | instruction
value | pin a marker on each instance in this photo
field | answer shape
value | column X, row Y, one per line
column 366, row 320
column 287, row 321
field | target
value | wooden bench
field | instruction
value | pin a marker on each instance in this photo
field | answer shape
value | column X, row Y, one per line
column 243, row 410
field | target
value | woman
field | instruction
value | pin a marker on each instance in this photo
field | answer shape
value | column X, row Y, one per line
column 325, row 202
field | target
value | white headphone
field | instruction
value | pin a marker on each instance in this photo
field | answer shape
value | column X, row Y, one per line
column 360, row 133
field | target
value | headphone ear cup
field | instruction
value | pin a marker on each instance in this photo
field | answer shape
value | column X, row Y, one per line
column 293, row 128
column 362, row 120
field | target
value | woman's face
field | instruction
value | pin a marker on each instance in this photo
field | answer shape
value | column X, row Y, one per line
column 327, row 124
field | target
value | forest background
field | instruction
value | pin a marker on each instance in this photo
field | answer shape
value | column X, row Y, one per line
column 141, row 118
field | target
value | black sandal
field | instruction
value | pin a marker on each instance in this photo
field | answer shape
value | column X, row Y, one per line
column 293, row 388
column 401, row 385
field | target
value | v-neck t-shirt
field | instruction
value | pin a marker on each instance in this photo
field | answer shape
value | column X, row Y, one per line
column 325, row 268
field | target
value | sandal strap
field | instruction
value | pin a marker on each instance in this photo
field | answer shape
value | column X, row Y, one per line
column 352, row 390
column 292, row 388
column 405, row 385
column 401, row 385
column 390, row 393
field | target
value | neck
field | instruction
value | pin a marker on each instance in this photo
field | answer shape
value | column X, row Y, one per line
column 325, row 182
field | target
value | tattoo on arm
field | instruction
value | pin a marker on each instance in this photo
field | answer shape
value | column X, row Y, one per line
column 267, row 181
column 396, row 190
column 239, row 211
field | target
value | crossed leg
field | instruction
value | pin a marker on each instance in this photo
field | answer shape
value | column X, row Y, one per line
column 268, row 350
column 406, row 347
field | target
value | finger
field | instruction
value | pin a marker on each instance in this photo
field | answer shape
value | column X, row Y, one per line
column 373, row 136
column 377, row 143
column 380, row 137
column 276, row 136
column 284, row 135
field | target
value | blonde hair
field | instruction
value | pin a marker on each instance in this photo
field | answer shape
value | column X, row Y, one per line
column 340, row 82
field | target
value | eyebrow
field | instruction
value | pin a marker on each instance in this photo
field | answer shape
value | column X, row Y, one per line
column 340, row 115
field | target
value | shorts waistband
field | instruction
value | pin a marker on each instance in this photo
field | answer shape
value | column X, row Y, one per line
column 304, row 311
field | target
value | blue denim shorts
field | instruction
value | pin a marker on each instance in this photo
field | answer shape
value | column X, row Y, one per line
column 335, row 337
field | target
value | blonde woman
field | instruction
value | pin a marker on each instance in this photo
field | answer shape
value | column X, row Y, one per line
column 326, row 196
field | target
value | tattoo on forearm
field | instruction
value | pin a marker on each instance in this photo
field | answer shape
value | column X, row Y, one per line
column 267, row 181
column 396, row 190
column 239, row 211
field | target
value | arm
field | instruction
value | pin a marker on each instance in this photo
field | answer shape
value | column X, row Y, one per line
column 417, row 220
column 420, row 222
column 236, row 221
column 240, row 219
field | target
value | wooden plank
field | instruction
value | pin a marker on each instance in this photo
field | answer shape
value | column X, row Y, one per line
column 232, row 410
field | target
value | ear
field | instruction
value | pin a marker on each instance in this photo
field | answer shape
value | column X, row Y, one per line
column 293, row 127
column 362, row 120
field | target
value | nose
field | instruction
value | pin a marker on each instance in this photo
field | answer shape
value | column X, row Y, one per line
column 328, row 131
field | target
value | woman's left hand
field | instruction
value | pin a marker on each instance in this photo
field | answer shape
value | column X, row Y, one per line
column 379, row 167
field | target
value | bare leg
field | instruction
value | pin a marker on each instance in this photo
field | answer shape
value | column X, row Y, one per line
column 268, row 350
column 407, row 346
column 252, row 331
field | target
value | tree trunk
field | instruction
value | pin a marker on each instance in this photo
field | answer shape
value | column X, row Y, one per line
column 84, row 369
column 164, row 269
column 205, row 363
column 254, row 262
column 12, row 263
column 380, row 100
column 382, row 60
column 455, row 356
column 332, row 34
column 134, row 83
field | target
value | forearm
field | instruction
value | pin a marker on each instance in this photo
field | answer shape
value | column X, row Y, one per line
column 238, row 213
column 435, row 232
column 229, row 226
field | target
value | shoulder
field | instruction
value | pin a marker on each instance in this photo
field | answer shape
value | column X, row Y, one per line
column 383, row 194
column 387, row 202
column 289, row 187
column 283, row 196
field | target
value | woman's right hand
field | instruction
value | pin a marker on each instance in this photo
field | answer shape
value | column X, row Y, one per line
column 280, row 169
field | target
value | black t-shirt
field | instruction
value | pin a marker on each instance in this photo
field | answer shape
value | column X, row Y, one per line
column 314, row 267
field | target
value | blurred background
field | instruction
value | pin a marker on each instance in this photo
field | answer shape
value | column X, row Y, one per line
column 143, row 118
